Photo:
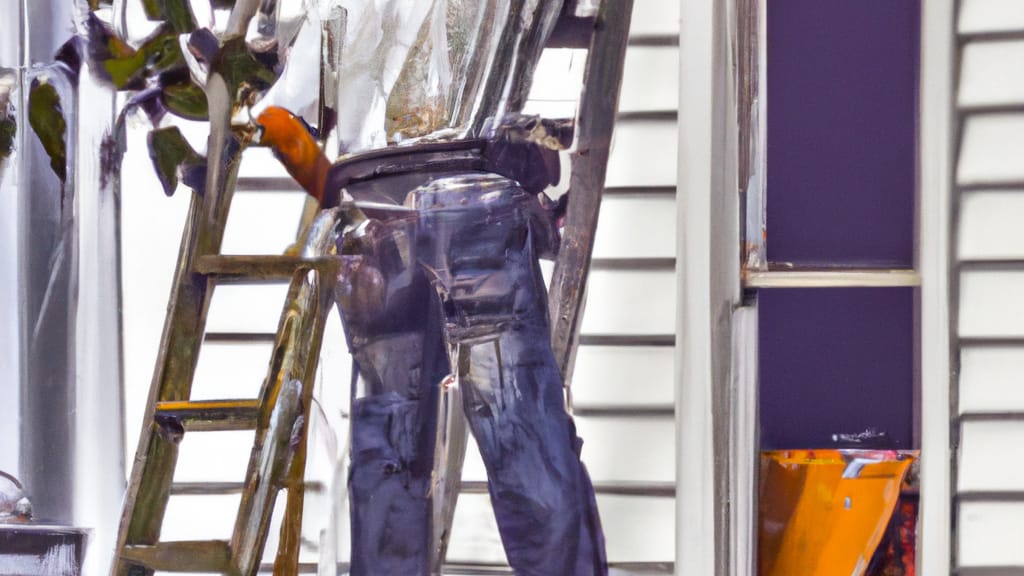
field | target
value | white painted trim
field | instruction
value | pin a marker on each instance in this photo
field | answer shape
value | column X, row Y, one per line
column 708, row 266
column 937, row 45
column 744, row 447
column 695, row 502
column 883, row 278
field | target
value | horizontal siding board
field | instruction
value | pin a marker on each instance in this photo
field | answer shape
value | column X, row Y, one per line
column 628, row 449
column 621, row 375
column 990, row 304
column 990, row 225
column 630, row 302
column 992, row 73
column 650, row 79
column 640, row 226
column 990, row 15
column 991, row 379
column 990, row 456
column 643, row 154
column 615, row 449
column 654, row 18
column 990, row 533
column 992, row 148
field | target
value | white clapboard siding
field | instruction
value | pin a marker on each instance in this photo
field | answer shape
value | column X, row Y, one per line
column 654, row 18
column 630, row 302
column 992, row 73
column 990, row 534
column 623, row 375
column 986, row 457
column 636, row 226
column 992, row 148
column 616, row 449
column 644, row 153
column 990, row 304
column 628, row 449
column 991, row 379
column 990, row 225
column 650, row 79
column 989, row 475
column 990, row 15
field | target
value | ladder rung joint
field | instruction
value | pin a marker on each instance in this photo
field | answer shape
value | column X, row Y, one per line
column 184, row 556
column 226, row 488
column 260, row 267
column 214, row 415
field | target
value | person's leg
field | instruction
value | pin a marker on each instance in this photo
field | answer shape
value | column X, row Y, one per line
column 542, row 496
column 392, row 321
column 496, row 311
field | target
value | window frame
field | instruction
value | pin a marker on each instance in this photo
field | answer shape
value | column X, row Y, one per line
column 716, row 388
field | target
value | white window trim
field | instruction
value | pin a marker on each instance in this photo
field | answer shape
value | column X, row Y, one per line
column 934, row 198
column 709, row 288
column 708, row 229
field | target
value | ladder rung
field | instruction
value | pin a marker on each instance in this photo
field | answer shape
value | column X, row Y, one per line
column 208, row 415
column 257, row 268
column 187, row 556
column 222, row 488
column 240, row 337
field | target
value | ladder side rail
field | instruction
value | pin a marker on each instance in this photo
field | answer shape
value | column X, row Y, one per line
column 278, row 454
column 594, row 126
column 156, row 456
column 287, row 560
column 149, row 485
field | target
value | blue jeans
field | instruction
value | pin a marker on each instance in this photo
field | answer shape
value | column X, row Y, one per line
column 459, row 278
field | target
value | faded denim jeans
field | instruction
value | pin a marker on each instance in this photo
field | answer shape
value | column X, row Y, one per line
column 454, row 286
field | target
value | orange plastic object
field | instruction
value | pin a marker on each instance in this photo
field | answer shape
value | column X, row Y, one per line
column 823, row 512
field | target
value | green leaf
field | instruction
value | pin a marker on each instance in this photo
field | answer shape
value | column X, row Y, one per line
column 126, row 72
column 238, row 66
column 177, row 14
column 46, row 116
column 161, row 52
column 154, row 9
column 8, row 129
column 169, row 150
column 186, row 100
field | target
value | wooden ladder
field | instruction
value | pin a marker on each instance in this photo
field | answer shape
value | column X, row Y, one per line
column 279, row 416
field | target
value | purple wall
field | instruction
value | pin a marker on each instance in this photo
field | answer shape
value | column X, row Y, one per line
column 835, row 360
column 842, row 113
